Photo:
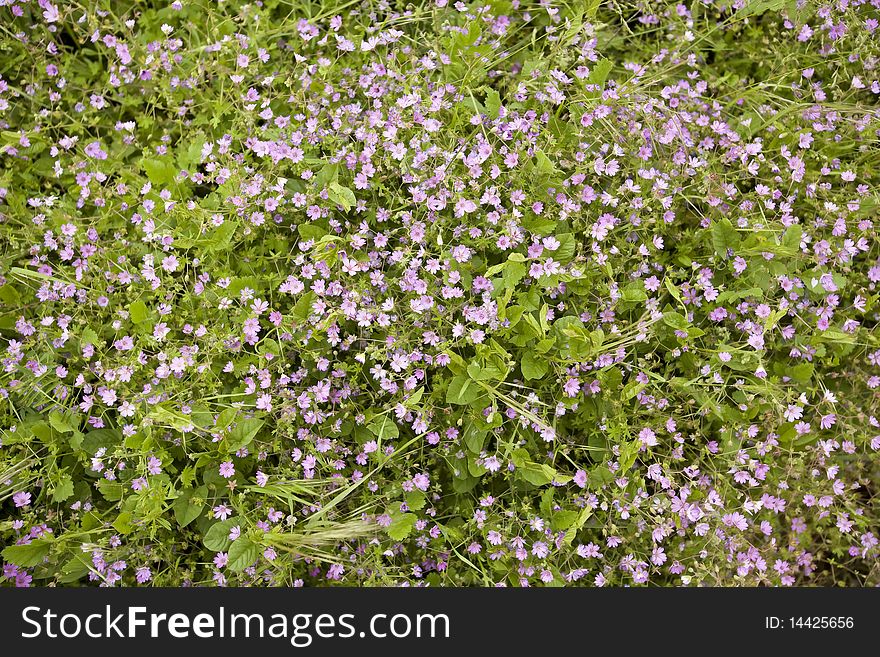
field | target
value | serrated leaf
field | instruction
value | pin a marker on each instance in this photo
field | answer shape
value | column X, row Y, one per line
column 566, row 250
column 221, row 237
column 544, row 166
column 168, row 418
column 63, row 488
column 123, row 523
column 242, row 553
column 758, row 7
column 634, row 292
column 225, row 418
column 28, row 555
column 733, row 295
column 519, row 457
column 632, row 389
column 401, row 526
column 311, row 231
column 493, row 103
column 160, row 172
column 327, row 174
column 562, row 520
column 415, row 500
column 600, row 71
column 75, row 568
column 792, row 238
column 88, row 336
column 138, row 312
column 9, row 295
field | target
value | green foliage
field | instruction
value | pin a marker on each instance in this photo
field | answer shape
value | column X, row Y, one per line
column 450, row 293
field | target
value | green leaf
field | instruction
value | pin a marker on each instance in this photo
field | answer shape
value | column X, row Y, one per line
column 243, row 433
column 190, row 156
column 60, row 423
column 513, row 273
column 631, row 389
column 138, row 311
column 226, row 417
column 415, row 500
column 567, row 247
column 634, row 292
column 600, row 72
column 341, row 196
column 600, row 475
column 384, row 428
column 836, row 336
column 673, row 290
column 75, row 568
column 591, row 7
column 189, row 505
column 474, row 439
column 462, row 390
column 493, row 103
column 629, row 451
column 242, row 553
column 533, row 367
column 758, row 7
column 327, row 174
column 168, row 418
column 303, row 308
column 160, row 172
column 802, row 373
column 562, row 520
column 88, row 336
column 724, row 237
column 675, row 320
column 123, row 523
column 792, row 238
column 544, row 166
column 537, row 474
column 111, row 490
column 733, row 295
column 401, row 525
column 220, row 238
column 9, row 295
column 311, row 231
column 63, row 488
column 217, row 537
column 98, row 438
column 28, row 555
column 519, row 457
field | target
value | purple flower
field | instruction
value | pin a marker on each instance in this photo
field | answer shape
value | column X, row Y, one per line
column 21, row 499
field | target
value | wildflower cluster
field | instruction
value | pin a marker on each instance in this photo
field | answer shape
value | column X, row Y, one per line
column 504, row 292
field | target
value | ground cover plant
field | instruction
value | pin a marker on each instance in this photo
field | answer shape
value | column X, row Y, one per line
column 439, row 293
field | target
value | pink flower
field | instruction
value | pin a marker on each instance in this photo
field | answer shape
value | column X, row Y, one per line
column 648, row 437
column 21, row 499
column 170, row 263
